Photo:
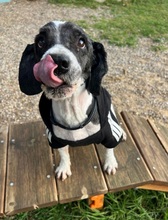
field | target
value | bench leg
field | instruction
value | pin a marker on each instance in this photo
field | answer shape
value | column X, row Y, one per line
column 96, row 202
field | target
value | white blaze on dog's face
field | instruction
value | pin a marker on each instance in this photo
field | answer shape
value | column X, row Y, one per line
column 65, row 57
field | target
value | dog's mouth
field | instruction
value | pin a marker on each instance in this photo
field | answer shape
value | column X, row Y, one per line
column 60, row 82
column 46, row 72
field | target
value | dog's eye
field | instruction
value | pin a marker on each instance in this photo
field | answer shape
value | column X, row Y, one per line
column 81, row 43
column 41, row 43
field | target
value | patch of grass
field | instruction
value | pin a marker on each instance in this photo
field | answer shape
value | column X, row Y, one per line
column 157, row 48
column 126, row 205
column 130, row 23
column 123, row 22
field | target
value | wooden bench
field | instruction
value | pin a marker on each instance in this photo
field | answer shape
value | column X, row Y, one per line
column 27, row 164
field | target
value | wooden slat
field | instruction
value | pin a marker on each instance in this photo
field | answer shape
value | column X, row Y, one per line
column 155, row 187
column 132, row 170
column 87, row 178
column 161, row 132
column 3, row 158
column 30, row 178
column 150, row 147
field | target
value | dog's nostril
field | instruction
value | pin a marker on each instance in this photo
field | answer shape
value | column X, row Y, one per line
column 65, row 64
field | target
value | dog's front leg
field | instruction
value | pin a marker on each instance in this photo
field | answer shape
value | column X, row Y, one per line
column 64, row 168
column 110, row 165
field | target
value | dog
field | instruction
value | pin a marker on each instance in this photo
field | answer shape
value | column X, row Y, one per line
column 68, row 67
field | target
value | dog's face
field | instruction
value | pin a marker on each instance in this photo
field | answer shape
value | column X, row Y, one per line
column 63, row 58
column 70, row 48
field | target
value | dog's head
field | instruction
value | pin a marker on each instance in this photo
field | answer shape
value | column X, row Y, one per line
column 61, row 59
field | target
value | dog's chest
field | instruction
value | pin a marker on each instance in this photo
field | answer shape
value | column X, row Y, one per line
column 76, row 135
column 71, row 113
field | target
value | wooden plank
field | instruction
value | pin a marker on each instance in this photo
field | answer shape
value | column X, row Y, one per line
column 161, row 132
column 155, row 187
column 30, row 177
column 132, row 170
column 150, row 147
column 87, row 178
column 3, row 158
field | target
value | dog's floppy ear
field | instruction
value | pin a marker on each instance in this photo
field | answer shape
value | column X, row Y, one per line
column 99, row 68
column 28, row 84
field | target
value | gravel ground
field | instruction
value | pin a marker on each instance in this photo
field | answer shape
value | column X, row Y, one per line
column 137, row 77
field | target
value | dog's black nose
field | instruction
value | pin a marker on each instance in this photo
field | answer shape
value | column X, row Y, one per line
column 63, row 63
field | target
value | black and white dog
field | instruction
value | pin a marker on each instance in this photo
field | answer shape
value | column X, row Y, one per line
column 68, row 67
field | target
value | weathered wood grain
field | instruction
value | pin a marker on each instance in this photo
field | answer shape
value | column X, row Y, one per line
column 3, row 161
column 26, row 165
column 152, row 150
column 161, row 132
column 132, row 170
column 30, row 178
column 87, row 178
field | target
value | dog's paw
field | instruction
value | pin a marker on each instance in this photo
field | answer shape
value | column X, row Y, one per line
column 111, row 165
column 63, row 171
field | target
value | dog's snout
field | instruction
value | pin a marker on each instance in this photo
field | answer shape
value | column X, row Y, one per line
column 63, row 63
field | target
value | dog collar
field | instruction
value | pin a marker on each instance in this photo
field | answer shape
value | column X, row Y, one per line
column 88, row 119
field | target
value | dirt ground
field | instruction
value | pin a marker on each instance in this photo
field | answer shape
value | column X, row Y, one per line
column 137, row 77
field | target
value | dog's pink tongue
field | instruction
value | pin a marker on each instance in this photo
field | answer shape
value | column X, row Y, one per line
column 44, row 72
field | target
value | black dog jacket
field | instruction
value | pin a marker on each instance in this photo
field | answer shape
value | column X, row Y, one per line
column 110, row 133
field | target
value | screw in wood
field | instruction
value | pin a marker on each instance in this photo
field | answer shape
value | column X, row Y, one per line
column 11, row 184
column 13, row 141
